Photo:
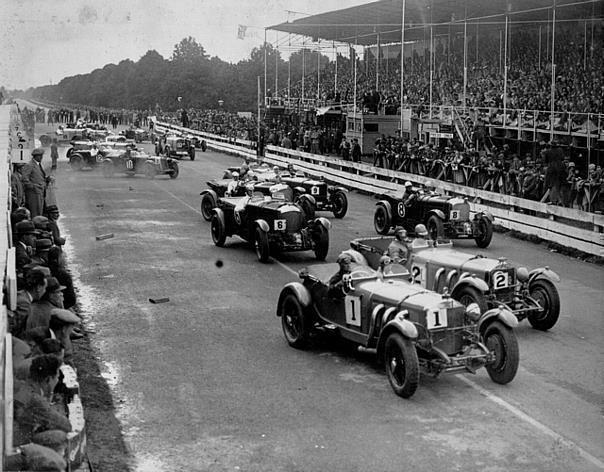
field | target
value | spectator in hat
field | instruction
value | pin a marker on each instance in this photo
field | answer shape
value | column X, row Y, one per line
column 32, row 410
column 42, row 308
column 35, row 286
column 25, row 232
column 62, row 323
column 42, row 225
column 34, row 182
column 16, row 186
column 35, row 457
column 54, row 439
column 52, row 213
column 41, row 255
column 54, row 154
column 57, row 269
column 555, row 172
column 356, row 150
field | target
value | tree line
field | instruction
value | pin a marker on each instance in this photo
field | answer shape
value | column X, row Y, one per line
column 199, row 80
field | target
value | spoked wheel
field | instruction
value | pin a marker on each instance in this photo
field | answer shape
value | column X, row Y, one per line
column 340, row 204
column 207, row 204
column 468, row 295
column 485, row 232
column 174, row 172
column 402, row 365
column 307, row 207
column 435, row 227
column 76, row 162
column 294, row 322
column 218, row 231
column 545, row 293
column 322, row 243
column 261, row 245
column 501, row 340
column 381, row 220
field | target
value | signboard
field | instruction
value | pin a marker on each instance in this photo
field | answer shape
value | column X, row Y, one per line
column 441, row 135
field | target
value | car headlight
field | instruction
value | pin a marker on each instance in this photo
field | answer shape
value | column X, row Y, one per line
column 473, row 311
column 522, row 274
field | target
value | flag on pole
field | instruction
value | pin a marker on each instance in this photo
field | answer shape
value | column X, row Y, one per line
column 241, row 31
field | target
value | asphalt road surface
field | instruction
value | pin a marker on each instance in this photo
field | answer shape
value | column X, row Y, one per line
column 208, row 382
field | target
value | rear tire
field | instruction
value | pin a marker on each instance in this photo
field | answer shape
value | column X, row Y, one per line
column 218, row 231
column 502, row 340
column 322, row 243
column 174, row 172
column 76, row 162
column 485, row 227
column 340, row 204
column 381, row 220
column 435, row 227
column 402, row 365
column 207, row 204
column 294, row 322
column 547, row 296
column 261, row 245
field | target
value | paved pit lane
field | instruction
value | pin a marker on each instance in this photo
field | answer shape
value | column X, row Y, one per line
column 206, row 381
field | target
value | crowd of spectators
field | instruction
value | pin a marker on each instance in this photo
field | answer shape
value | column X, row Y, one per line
column 62, row 115
column 45, row 322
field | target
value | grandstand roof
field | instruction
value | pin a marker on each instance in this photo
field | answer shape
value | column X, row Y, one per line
column 363, row 23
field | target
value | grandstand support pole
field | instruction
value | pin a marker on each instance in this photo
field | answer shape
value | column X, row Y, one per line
column 377, row 66
column 318, row 70
column 335, row 80
column 303, row 69
column 354, row 104
column 289, row 71
column 402, row 63
column 465, row 58
column 431, row 59
column 258, row 120
column 539, row 54
column 276, row 66
column 552, row 104
column 265, row 75
column 505, row 69
column 585, row 45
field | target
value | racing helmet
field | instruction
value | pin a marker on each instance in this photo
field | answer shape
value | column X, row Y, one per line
column 344, row 258
column 408, row 184
column 235, row 175
column 400, row 232
column 421, row 231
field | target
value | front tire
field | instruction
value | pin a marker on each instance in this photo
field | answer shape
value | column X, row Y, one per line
column 485, row 228
column 402, row 365
column 435, row 227
column 207, row 204
column 174, row 172
column 381, row 220
column 501, row 340
column 261, row 245
column 294, row 322
column 322, row 243
column 307, row 207
column 546, row 294
column 468, row 295
column 340, row 204
column 218, row 231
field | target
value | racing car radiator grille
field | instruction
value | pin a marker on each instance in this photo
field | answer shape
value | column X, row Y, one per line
column 294, row 220
column 463, row 212
column 450, row 341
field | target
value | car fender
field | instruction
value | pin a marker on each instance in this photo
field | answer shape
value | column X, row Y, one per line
column 219, row 214
column 299, row 291
column 470, row 281
column 543, row 273
column 75, row 154
column 398, row 324
column 487, row 214
column 300, row 190
column 333, row 190
column 500, row 313
column 436, row 212
column 263, row 225
column 310, row 198
column 387, row 206
column 210, row 192
column 323, row 222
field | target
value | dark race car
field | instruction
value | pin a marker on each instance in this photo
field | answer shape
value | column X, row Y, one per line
column 175, row 146
column 271, row 224
column 443, row 216
column 80, row 155
column 327, row 197
column 476, row 279
column 217, row 188
column 138, row 162
column 408, row 327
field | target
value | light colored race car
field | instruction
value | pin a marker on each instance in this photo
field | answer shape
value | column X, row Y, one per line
column 408, row 327
column 471, row 278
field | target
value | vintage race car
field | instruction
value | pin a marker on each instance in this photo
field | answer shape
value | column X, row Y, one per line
column 78, row 131
column 217, row 189
column 271, row 224
column 138, row 135
column 408, row 327
column 176, row 147
column 198, row 142
column 327, row 197
column 138, row 162
column 443, row 216
column 80, row 155
column 117, row 141
column 476, row 279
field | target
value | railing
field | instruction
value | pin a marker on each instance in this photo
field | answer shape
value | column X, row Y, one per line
column 573, row 228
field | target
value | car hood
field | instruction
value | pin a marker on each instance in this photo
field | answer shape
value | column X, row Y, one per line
column 451, row 258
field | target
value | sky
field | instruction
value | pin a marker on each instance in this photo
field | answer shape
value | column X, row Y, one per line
column 43, row 41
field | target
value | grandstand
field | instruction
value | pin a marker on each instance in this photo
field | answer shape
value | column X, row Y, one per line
column 480, row 72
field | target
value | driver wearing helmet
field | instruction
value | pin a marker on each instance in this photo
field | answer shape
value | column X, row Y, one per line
column 410, row 194
column 398, row 250
column 335, row 286
column 233, row 185
column 421, row 236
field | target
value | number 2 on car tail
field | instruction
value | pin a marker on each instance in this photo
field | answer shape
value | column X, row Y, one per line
column 436, row 318
column 353, row 310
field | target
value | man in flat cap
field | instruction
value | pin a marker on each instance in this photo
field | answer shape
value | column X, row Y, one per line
column 34, row 182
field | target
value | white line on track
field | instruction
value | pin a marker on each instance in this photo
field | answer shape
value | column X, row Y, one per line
column 490, row 396
column 532, row 421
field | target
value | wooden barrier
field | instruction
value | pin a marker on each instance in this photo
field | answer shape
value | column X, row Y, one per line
column 569, row 227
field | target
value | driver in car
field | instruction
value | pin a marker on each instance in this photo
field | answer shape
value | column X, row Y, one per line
column 421, row 236
column 398, row 250
column 410, row 194
column 232, row 185
column 335, row 286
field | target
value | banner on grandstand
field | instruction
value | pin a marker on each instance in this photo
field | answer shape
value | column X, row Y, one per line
column 244, row 114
